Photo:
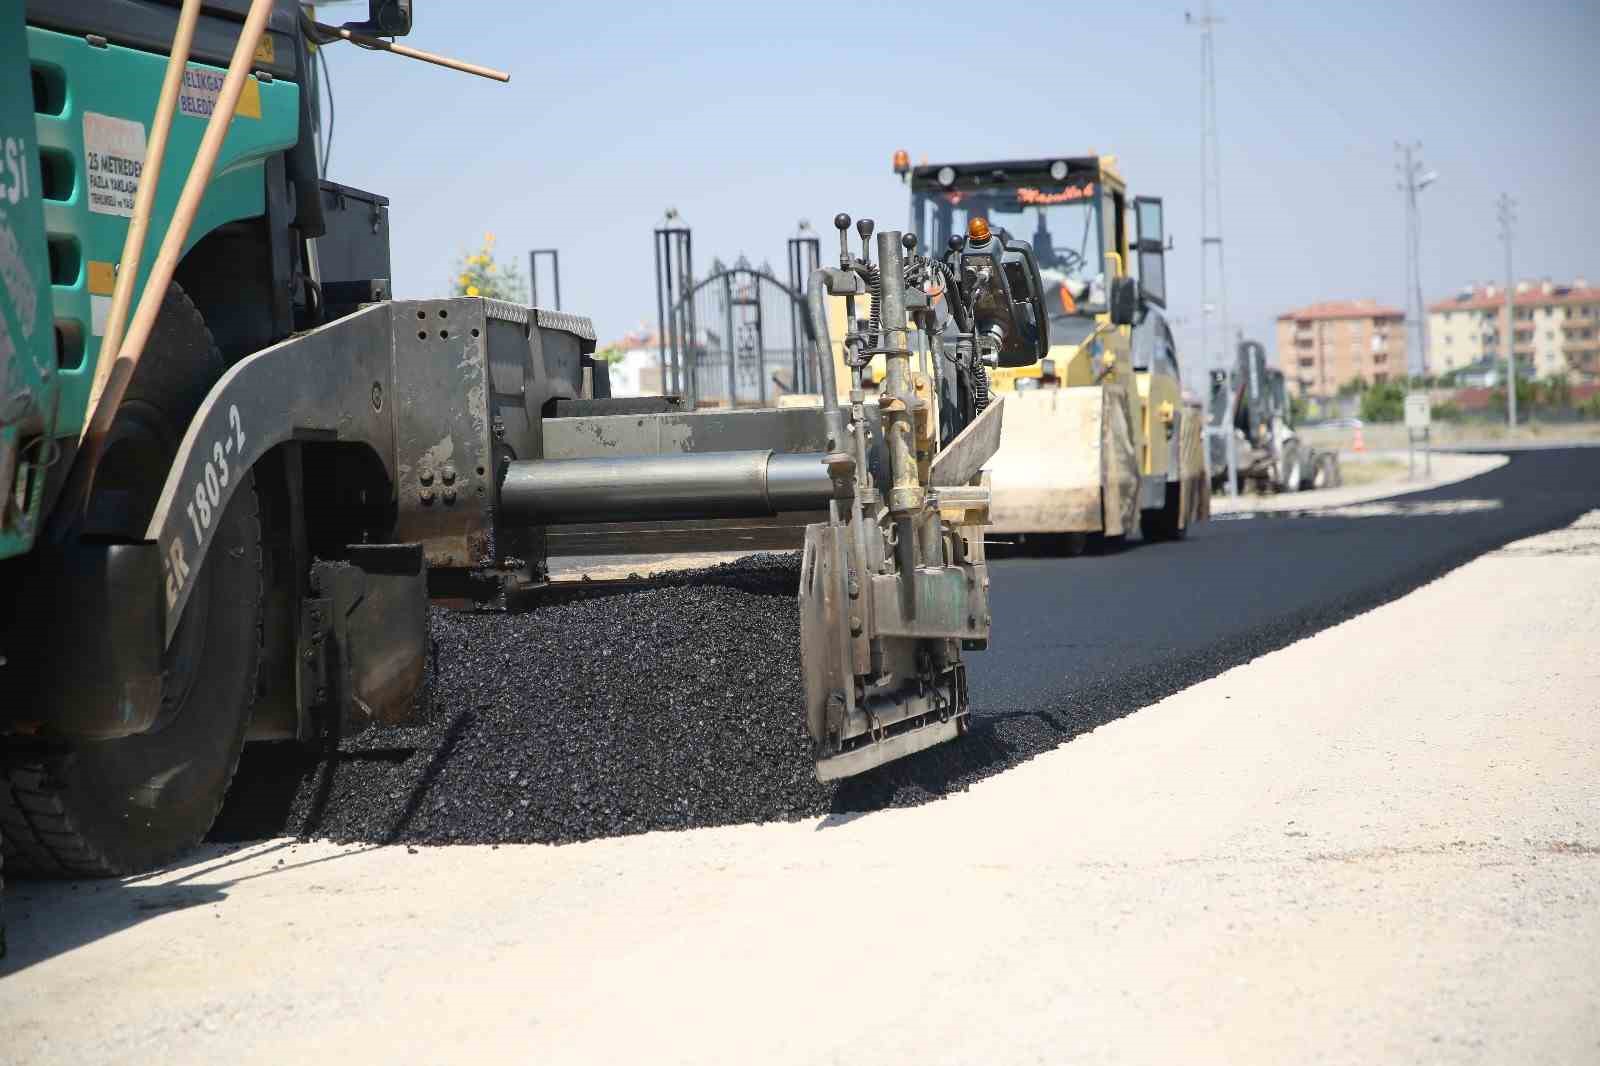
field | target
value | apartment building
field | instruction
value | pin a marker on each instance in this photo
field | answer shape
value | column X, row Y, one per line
column 1326, row 345
column 1556, row 328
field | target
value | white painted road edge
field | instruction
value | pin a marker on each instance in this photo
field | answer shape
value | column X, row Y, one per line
column 1380, row 844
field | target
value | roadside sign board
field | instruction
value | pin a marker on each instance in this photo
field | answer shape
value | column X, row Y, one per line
column 1419, row 412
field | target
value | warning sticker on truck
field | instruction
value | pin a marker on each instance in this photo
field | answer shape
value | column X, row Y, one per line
column 113, row 154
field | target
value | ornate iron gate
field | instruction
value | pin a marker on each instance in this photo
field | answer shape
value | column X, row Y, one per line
column 743, row 338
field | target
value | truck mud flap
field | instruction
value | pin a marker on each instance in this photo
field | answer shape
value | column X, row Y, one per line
column 81, row 641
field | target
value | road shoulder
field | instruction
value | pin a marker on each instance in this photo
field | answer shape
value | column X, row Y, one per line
column 1393, row 860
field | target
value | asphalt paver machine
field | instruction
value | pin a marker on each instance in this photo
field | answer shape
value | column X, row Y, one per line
column 236, row 472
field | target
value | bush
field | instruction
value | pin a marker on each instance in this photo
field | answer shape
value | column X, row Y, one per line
column 1527, row 397
column 1447, row 411
column 479, row 275
column 1554, row 392
column 1384, row 402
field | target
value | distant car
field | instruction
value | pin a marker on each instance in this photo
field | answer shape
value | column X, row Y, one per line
column 1340, row 423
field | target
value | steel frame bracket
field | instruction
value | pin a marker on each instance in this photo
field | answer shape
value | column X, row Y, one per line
column 363, row 643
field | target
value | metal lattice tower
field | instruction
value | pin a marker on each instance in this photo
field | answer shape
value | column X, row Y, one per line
column 1413, row 179
column 1213, row 311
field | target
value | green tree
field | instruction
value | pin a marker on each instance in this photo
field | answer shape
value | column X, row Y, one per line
column 479, row 274
column 1354, row 387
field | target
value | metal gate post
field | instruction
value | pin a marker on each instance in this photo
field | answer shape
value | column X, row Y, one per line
column 674, row 280
column 533, row 274
column 761, row 337
column 728, row 341
column 805, row 255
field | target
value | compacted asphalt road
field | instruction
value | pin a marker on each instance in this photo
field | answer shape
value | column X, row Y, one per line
column 1084, row 640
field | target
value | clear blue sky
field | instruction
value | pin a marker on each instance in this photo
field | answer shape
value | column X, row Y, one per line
column 750, row 116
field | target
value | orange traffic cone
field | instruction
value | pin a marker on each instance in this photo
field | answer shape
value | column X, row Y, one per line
column 1358, row 445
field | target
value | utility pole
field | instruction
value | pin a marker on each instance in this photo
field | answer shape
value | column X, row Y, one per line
column 1507, row 209
column 1213, row 315
column 1413, row 179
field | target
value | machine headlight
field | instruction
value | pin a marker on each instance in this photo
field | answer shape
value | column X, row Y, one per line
column 1058, row 170
column 947, row 176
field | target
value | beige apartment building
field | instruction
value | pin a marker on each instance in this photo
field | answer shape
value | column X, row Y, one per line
column 1557, row 328
column 1326, row 345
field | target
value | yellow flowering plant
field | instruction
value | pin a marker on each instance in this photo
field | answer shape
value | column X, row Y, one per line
column 478, row 274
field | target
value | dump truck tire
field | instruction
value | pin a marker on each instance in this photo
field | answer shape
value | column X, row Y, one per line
column 123, row 806
column 1166, row 523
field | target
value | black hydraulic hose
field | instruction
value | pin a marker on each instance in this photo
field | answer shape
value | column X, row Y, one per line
column 875, row 307
column 953, row 297
column 873, row 276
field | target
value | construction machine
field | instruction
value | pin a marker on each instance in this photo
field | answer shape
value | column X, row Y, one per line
column 1097, row 435
column 237, row 471
column 1251, row 435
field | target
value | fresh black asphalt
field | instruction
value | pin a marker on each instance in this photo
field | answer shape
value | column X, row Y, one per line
column 676, row 705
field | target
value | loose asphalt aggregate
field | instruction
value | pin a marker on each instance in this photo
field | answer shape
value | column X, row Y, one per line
column 676, row 703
